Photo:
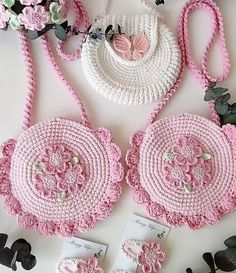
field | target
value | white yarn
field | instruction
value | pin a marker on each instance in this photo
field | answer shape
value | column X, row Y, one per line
column 129, row 82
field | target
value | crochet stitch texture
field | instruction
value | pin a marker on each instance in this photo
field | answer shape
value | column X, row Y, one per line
column 182, row 168
column 136, row 80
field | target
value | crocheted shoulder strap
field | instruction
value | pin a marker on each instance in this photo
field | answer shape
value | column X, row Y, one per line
column 201, row 73
column 31, row 80
column 81, row 21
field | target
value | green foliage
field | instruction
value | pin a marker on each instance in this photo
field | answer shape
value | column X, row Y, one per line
column 224, row 109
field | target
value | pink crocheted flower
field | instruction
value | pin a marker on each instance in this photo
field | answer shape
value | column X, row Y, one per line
column 12, row 205
column 8, row 147
column 140, row 196
column 27, row 221
column 67, row 229
column 4, row 166
column 34, row 18
column 201, row 174
column 114, row 192
column 73, row 180
column 187, row 150
column 5, row 187
column 55, row 158
column 4, row 17
column 155, row 210
column 30, row 2
column 176, row 175
column 46, row 184
column 86, row 223
column 47, row 228
column 104, row 210
column 150, row 257
column 89, row 265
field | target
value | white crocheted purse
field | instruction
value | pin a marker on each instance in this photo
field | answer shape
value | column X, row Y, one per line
column 138, row 66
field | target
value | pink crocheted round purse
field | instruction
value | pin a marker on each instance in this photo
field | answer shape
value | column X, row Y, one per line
column 183, row 167
column 60, row 175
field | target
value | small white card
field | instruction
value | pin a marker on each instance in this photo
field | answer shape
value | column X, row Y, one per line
column 78, row 248
column 143, row 229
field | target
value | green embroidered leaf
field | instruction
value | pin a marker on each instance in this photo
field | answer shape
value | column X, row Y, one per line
column 74, row 160
column 62, row 196
column 187, row 188
column 8, row 3
column 54, row 7
column 206, row 156
column 56, row 18
column 38, row 166
column 14, row 22
column 225, row 97
column 169, row 156
column 221, row 108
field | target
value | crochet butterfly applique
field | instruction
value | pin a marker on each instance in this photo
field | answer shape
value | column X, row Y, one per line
column 132, row 49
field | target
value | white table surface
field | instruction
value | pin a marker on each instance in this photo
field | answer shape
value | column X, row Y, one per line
column 184, row 247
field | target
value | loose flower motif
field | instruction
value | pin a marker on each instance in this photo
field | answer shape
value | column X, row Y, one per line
column 201, row 174
column 55, row 158
column 175, row 175
column 30, row 2
column 187, row 151
column 34, row 18
column 89, row 265
column 151, row 257
column 74, row 179
column 4, row 17
column 46, row 184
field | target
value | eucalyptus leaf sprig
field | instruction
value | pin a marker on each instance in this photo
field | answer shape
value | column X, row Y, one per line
column 224, row 109
column 224, row 260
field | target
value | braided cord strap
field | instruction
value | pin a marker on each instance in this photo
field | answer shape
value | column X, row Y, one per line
column 66, row 84
column 31, row 82
column 202, row 74
column 81, row 19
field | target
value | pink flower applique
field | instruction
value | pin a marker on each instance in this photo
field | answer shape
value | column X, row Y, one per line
column 55, row 158
column 30, row 2
column 187, row 151
column 4, row 17
column 151, row 257
column 73, row 180
column 46, row 184
column 5, row 165
column 175, row 175
column 201, row 174
column 8, row 147
column 89, row 265
column 34, row 18
column 132, row 49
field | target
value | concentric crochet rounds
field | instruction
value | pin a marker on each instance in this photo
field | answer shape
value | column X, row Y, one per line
column 183, row 168
column 63, row 177
column 145, row 70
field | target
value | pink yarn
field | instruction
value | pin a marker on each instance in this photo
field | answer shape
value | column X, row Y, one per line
column 60, row 176
column 182, row 167
column 82, row 22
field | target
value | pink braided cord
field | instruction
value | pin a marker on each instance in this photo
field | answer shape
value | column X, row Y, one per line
column 201, row 74
column 31, row 82
column 68, row 87
column 81, row 19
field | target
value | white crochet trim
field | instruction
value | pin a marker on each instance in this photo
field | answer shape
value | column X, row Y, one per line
column 128, row 82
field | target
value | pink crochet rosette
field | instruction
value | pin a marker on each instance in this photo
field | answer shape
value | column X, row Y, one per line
column 183, row 168
column 60, row 176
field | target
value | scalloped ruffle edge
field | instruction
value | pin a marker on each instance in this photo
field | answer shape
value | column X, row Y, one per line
column 66, row 229
column 156, row 210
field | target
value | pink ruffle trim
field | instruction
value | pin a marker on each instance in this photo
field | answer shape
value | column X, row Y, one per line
column 155, row 210
column 85, row 223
